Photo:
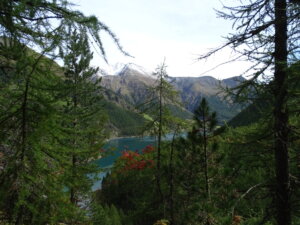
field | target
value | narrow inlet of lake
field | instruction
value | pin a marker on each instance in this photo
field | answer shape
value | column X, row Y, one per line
column 116, row 146
column 114, row 149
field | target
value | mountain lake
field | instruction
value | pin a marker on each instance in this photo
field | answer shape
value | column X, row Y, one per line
column 116, row 146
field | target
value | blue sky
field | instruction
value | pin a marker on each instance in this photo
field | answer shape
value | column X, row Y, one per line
column 178, row 30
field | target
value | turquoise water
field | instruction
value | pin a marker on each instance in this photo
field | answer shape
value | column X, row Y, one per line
column 115, row 147
column 114, row 150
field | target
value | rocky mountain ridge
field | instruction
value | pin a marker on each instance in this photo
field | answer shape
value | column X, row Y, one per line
column 130, row 84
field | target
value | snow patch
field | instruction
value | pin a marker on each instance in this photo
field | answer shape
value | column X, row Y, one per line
column 119, row 69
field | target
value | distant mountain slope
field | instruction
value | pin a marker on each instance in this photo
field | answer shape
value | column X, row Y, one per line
column 233, row 81
column 193, row 89
column 251, row 114
column 123, row 122
column 262, row 108
column 131, row 84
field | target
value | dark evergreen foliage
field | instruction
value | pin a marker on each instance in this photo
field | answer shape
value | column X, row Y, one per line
column 35, row 134
column 270, row 30
column 83, row 118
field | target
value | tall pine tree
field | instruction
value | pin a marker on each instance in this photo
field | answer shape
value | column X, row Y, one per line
column 84, row 117
column 267, row 34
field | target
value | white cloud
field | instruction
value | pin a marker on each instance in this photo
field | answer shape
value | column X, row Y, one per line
column 173, row 29
column 181, row 57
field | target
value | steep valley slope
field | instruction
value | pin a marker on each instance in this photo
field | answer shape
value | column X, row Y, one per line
column 129, row 87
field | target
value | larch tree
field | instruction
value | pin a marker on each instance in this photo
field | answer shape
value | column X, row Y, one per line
column 31, row 191
column 161, row 95
column 30, row 187
column 267, row 34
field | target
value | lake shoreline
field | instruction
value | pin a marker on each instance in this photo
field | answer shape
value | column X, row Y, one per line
column 121, row 137
column 118, row 138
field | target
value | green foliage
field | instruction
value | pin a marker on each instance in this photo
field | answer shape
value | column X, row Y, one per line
column 161, row 222
column 240, row 174
column 83, row 122
column 246, row 169
column 182, row 181
column 258, row 110
column 269, row 36
column 127, row 122
column 161, row 100
column 107, row 215
column 41, row 23
column 250, row 114
column 131, row 189
column 36, row 134
column 30, row 180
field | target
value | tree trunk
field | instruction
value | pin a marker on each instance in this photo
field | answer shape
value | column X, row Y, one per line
column 171, row 194
column 159, row 140
column 283, row 204
column 205, row 156
column 20, row 215
column 74, row 158
column 72, row 189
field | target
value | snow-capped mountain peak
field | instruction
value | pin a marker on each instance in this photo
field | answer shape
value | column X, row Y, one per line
column 134, row 67
column 117, row 68
column 120, row 69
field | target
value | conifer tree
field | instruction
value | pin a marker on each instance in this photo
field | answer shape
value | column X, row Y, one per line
column 205, row 124
column 200, row 148
column 179, row 127
column 84, row 118
column 41, row 24
column 267, row 35
column 30, row 189
column 160, row 96
column 31, row 182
